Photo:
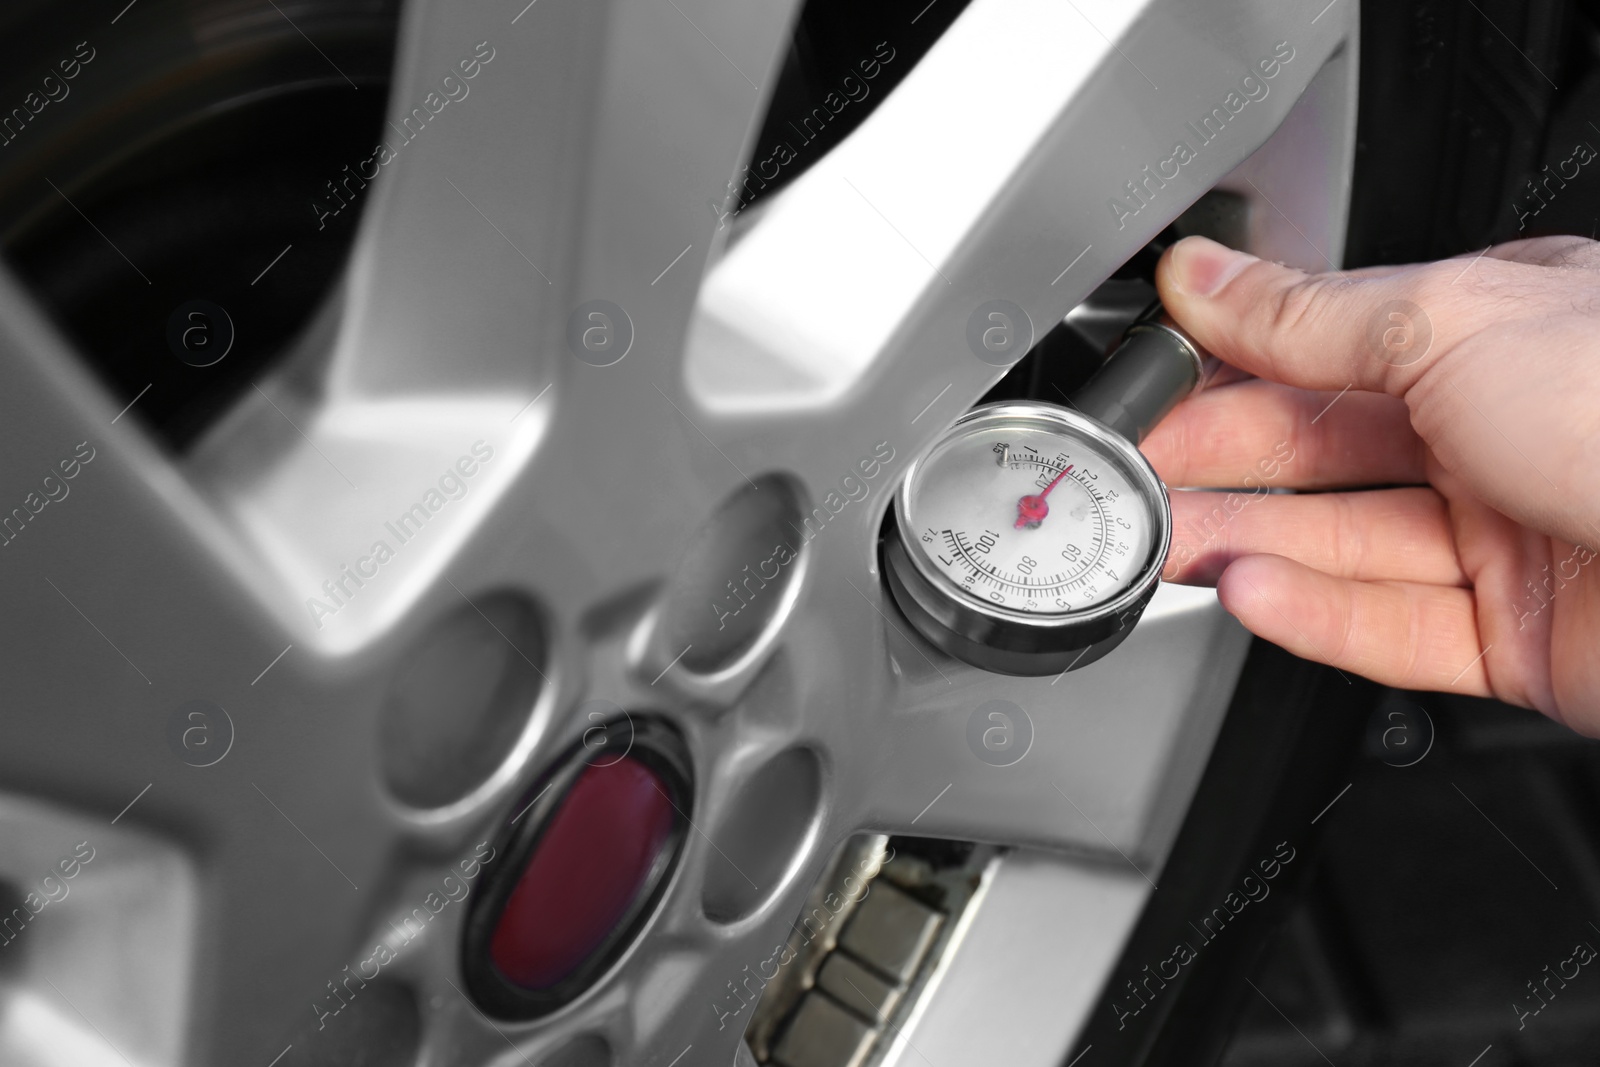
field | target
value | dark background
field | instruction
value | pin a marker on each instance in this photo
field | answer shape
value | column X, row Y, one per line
column 1423, row 919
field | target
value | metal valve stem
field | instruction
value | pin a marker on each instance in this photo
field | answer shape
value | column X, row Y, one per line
column 1157, row 365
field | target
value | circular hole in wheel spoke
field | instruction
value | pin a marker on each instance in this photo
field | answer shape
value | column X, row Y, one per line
column 760, row 840
column 460, row 699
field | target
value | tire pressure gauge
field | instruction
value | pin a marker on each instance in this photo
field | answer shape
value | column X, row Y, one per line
column 1031, row 537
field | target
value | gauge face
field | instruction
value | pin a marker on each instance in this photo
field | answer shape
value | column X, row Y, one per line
column 1027, row 508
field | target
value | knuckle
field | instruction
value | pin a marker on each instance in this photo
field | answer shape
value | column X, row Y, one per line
column 1586, row 302
column 1448, row 289
column 1178, row 443
column 1348, row 537
column 1415, row 662
column 1295, row 307
column 1554, row 251
column 1347, row 617
column 1288, row 319
column 1316, row 437
column 1571, row 252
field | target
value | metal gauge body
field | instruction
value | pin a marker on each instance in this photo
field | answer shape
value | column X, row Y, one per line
column 1029, row 539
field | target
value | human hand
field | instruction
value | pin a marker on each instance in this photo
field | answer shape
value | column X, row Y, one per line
column 1466, row 393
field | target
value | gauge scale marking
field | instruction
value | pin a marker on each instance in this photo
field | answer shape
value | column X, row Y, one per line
column 1028, row 533
column 1095, row 532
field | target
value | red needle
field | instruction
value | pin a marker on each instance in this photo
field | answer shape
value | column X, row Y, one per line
column 1031, row 509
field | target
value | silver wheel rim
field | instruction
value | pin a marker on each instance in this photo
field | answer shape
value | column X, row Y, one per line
column 824, row 330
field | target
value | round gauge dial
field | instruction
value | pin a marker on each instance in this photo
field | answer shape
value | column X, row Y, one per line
column 1028, row 529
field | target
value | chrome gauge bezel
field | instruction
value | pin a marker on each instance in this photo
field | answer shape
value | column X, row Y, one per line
column 1005, row 639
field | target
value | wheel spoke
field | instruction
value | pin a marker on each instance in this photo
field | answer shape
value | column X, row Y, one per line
column 136, row 637
column 575, row 167
column 1101, row 759
column 768, row 388
column 1006, row 167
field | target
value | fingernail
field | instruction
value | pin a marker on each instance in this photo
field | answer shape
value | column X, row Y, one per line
column 1202, row 266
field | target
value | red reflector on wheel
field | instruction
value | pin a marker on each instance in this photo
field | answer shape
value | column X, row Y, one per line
column 590, row 864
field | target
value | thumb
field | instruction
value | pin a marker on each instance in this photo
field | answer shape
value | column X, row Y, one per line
column 1375, row 330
